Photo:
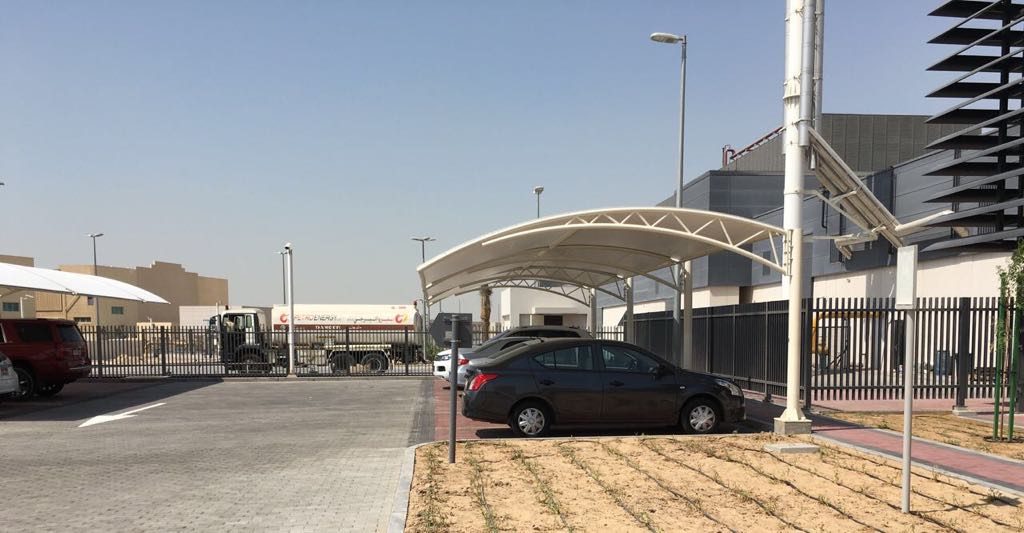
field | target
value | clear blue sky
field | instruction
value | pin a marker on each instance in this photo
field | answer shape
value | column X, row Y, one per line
column 210, row 133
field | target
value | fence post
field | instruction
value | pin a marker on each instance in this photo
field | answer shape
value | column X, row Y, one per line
column 349, row 358
column 99, row 349
column 963, row 356
column 163, row 351
column 405, row 352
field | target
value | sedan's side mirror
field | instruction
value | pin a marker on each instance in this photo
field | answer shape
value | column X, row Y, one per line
column 662, row 370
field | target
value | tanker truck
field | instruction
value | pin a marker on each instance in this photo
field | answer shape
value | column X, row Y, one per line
column 336, row 338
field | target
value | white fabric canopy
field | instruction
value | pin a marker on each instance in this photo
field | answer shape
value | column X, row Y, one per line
column 596, row 248
column 42, row 279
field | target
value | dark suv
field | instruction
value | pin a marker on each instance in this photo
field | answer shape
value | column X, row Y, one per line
column 47, row 354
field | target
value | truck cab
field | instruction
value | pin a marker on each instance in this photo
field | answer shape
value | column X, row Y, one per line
column 243, row 342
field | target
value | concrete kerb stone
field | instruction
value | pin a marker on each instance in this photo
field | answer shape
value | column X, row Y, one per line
column 926, row 466
column 400, row 507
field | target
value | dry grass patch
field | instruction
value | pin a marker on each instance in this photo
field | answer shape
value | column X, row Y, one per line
column 940, row 427
column 720, row 483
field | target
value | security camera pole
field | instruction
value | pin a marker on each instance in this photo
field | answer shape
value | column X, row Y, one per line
column 290, row 274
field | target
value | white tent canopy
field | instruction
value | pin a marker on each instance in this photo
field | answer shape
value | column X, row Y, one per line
column 15, row 278
column 595, row 248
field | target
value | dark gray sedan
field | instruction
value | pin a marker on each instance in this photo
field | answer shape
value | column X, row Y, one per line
column 595, row 383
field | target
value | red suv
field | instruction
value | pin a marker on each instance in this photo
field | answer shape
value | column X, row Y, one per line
column 46, row 354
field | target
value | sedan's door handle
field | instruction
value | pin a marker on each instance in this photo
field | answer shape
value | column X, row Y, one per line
column 616, row 383
column 546, row 382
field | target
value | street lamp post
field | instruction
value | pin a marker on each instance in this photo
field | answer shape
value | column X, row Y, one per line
column 537, row 190
column 426, row 306
column 95, row 272
column 682, row 327
column 96, row 304
column 290, row 301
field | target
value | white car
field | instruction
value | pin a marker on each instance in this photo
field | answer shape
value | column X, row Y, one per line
column 489, row 349
column 441, row 361
column 8, row 377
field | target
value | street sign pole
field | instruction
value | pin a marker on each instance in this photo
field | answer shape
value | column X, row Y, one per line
column 453, row 373
column 460, row 334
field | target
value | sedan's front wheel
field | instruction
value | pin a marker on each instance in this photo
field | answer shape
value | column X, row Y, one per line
column 530, row 419
column 700, row 415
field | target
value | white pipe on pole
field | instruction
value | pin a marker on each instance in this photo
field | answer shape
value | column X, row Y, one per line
column 793, row 419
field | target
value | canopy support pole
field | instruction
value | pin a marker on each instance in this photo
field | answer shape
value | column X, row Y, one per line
column 687, row 274
column 798, row 88
column 593, row 311
column 630, row 331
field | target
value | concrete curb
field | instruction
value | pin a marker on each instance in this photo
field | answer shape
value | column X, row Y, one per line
column 400, row 507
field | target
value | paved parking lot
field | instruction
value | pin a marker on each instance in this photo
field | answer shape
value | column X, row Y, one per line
column 301, row 455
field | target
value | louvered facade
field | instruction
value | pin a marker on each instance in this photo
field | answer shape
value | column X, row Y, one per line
column 987, row 87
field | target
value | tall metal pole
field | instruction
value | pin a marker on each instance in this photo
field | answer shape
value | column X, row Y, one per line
column 290, row 274
column 538, row 190
column 96, row 306
column 426, row 305
column 682, row 301
column 796, row 102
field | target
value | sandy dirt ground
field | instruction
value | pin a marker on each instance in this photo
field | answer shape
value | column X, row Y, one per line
column 720, row 483
column 943, row 427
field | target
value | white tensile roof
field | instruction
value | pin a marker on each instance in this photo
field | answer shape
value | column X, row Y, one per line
column 595, row 248
column 18, row 277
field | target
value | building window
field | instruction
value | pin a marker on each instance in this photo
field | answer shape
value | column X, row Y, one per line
column 765, row 269
column 83, row 319
column 89, row 300
column 117, row 310
column 12, row 307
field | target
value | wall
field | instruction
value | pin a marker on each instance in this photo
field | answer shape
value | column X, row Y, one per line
column 969, row 275
column 529, row 304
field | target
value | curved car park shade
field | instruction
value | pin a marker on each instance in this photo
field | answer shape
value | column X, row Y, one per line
column 596, row 248
column 18, row 277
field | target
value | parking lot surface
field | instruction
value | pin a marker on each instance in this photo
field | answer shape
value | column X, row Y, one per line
column 301, row 455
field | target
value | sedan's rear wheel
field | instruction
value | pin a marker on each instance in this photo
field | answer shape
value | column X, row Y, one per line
column 701, row 415
column 530, row 419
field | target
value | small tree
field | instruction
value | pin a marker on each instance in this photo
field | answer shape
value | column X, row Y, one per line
column 485, row 310
column 1011, row 294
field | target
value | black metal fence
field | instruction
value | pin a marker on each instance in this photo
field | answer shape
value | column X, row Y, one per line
column 852, row 347
column 145, row 351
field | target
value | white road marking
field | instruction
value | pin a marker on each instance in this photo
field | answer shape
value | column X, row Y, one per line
column 120, row 416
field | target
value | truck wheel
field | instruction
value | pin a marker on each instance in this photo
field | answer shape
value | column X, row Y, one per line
column 375, row 363
column 341, row 362
column 26, row 384
column 252, row 364
column 50, row 389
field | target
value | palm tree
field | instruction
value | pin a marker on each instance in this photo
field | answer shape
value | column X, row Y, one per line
column 485, row 310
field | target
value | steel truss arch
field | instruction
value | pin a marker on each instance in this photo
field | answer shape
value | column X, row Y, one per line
column 598, row 248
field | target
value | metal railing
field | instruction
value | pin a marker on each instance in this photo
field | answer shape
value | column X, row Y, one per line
column 118, row 351
column 852, row 347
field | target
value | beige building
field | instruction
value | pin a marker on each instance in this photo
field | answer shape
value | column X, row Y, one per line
column 19, row 303
column 167, row 280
